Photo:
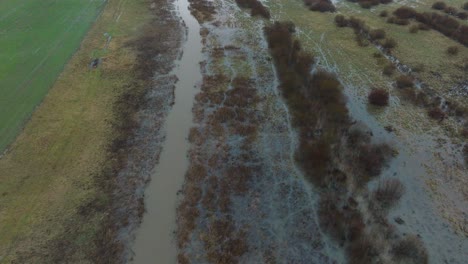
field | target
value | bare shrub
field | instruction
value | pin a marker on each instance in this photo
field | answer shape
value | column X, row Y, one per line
column 453, row 50
column 436, row 113
column 414, row 29
column 404, row 81
column 450, row 10
column 405, row 12
column 383, row 13
column 257, row 8
column 320, row 5
column 377, row 34
column 389, row 43
column 341, row 21
column 389, row 69
column 439, row 5
column 462, row 15
column 389, row 192
column 332, row 218
column 362, row 251
column 465, row 6
column 378, row 97
column 465, row 153
column 422, row 26
column 411, row 249
column 373, row 157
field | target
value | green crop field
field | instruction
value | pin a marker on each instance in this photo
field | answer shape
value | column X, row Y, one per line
column 36, row 40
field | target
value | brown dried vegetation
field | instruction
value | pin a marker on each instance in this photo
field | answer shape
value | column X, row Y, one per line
column 378, row 97
column 320, row 5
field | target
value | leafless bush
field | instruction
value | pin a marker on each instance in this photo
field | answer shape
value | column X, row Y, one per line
column 453, row 50
column 414, row 29
column 362, row 251
column 341, row 21
column 378, row 97
column 377, row 34
column 465, row 153
column 450, row 10
column 462, row 15
column 410, row 249
column 404, row 81
column 389, row 192
column 439, row 5
column 389, row 69
column 383, row 13
column 320, row 5
column 436, row 113
column 373, row 157
column 389, row 43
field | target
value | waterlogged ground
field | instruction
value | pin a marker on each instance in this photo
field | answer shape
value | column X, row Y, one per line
column 243, row 183
column 430, row 161
column 243, row 190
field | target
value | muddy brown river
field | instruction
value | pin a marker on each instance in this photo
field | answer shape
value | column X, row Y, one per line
column 155, row 241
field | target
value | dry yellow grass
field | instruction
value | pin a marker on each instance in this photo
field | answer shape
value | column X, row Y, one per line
column 48, row 176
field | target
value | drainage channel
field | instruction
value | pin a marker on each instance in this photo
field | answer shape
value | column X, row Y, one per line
column 155, row 242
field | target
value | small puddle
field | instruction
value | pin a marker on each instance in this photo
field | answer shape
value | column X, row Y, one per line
column 155, row 242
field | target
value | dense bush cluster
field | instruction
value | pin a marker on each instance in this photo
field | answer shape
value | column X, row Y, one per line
column 319, row 112
column 320, row 5
column 449, row 10
column 257, row 8
column 446, row 25
column 309, row 95
column 364, row 34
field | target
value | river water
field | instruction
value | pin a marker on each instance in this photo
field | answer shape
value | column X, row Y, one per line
column 155, row 241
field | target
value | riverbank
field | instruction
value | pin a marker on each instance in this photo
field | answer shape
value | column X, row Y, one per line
column 70, row 184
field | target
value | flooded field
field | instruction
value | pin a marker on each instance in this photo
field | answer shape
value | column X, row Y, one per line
column 236, row 131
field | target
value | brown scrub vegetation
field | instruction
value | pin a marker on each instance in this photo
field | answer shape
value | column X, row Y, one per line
column 448, row 26
column 320, row 5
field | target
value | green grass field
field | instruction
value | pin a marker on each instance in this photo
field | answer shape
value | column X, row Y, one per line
column 36, row 40
column 51, row 168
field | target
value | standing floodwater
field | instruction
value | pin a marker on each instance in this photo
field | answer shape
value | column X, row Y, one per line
column 155, row 240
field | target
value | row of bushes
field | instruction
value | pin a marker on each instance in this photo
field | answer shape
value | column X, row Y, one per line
column 370, row 3
column 444, row 24
column 257, row 8
column 310, row 97
column 450, row 10
column 365, row 34
column 320, row 5
column 319, row 111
